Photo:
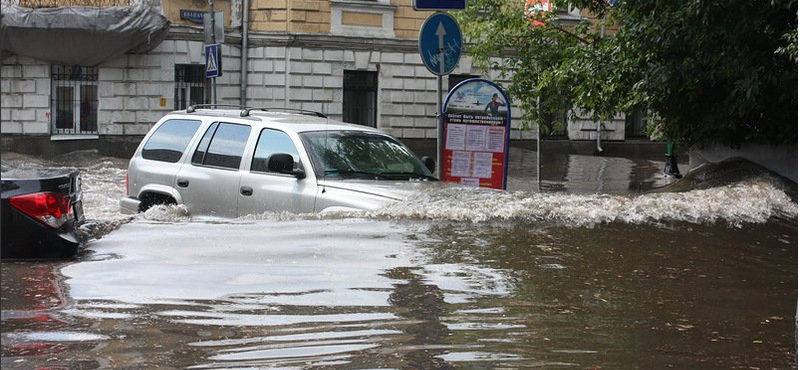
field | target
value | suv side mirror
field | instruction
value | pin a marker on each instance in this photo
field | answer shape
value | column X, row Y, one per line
column 284, row 163
column 429, row 163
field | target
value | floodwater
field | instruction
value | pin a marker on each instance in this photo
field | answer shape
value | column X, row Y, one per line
column 586, row 271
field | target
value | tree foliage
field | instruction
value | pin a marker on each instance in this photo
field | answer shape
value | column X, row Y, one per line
column 705, row 70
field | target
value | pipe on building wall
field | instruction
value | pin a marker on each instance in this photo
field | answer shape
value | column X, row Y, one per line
column 245, row 36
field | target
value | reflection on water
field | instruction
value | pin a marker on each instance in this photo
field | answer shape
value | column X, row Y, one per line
column 453, row 279
column 597, row 174
column 413, row 295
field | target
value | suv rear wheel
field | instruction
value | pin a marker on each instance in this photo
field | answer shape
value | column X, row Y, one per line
column 153, row 199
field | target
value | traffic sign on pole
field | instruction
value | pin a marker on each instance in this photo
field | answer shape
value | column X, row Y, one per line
column 440, row 43
column 214, row 28
column 213, row 61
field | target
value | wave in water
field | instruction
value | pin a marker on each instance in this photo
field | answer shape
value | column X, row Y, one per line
column 746, row 202
column 752, row 201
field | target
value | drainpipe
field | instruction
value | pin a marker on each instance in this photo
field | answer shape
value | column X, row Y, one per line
column 245, row 36
column 599, row 132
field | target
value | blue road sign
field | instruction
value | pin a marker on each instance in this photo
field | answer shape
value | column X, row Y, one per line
column 195, row 16
column 440, row 4
column 440, row 43
column 213, row 61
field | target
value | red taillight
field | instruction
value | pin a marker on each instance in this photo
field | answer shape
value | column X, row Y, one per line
column 51, row 209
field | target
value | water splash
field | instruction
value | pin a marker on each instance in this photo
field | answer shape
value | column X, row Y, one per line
column 168, row 213
column 750, row 201
column 746, row 202
column 753, row 200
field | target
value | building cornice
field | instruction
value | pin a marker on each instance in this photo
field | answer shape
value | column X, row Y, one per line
column 315, row 41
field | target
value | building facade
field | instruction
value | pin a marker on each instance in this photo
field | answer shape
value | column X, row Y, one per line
column 353, row 60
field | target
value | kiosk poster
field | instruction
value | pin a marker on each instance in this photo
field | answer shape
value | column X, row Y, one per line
column 477, row 124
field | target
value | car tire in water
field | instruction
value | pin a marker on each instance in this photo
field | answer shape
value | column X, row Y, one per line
column 153, row 199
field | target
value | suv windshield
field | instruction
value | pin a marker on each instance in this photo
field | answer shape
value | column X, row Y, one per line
column 357, row 154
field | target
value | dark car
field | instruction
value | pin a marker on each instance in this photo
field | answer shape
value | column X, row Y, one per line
column 41, row 211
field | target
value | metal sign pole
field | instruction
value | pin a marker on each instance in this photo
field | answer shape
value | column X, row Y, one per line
column 439, row 131
column 538, row 149
column 440, row 49
column 213, row 41
column 440, row 33
column 538, row 155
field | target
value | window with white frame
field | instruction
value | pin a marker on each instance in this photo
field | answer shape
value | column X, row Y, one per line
column 73, row 100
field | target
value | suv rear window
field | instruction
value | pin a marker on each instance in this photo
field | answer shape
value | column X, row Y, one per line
column 170, row 140
column 222, row 145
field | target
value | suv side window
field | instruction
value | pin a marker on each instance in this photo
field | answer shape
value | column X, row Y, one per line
column 270, row 142
column 170, row 140
column 222, row 145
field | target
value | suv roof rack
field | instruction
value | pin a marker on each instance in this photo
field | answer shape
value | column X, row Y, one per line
column 194, row 107
column 246, row 111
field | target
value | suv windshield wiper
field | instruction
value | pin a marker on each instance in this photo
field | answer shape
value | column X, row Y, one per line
column 387, row 175
column 409, row 175
column 354, row 173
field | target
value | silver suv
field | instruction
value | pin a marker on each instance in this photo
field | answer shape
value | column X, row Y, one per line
column 233, row 162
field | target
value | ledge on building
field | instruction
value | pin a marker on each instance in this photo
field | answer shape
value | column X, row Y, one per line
column 117, row 146
column 73, row 137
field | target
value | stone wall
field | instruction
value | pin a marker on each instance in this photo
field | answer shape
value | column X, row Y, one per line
column 172, row 10
column 24, row 96
column 586, row 129
column 377, row 18
column 136, row 90
column 312, row 79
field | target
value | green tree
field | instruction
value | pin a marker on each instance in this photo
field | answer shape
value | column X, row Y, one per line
column 721, row 70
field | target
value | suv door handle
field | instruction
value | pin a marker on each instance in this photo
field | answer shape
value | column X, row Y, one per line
column 184, row 183
column 246, row 191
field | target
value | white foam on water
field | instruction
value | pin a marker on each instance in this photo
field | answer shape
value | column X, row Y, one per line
column 746, row 202
column 751, row 201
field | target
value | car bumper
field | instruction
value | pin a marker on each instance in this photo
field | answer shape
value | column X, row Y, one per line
column 129, row 205
column 24, row 238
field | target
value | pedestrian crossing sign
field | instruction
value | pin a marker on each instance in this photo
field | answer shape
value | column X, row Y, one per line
column 213, row 61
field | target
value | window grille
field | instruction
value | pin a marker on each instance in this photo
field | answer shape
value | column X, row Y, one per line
column 635, row 126
column 191, row 85
column 360, row 98
column 73, row 101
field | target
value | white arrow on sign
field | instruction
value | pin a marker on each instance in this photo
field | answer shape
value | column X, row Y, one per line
column 440, row 31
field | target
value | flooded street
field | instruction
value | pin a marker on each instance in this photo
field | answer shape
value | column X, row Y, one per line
column 588, row 271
